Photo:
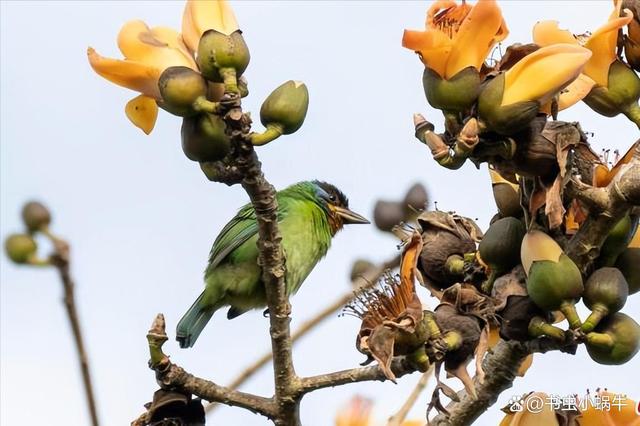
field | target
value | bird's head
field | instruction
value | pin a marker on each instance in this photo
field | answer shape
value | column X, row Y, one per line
column 336, row 206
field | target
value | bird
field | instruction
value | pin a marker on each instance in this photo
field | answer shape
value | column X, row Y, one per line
column 309, row 214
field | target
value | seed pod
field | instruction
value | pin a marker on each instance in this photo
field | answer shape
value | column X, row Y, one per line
column 616, row 340
column 617, row 240
column 539, row 327
column 204, row 138
column 223, row 58
column 629, row 264
column 554, row 282
column 286, row 107
column 456, row 94
column 387, row 214
column 506, row 195
column 20, row 248
column 180, row 87
column 605, row 292
column 500, row 246
column 35, row 216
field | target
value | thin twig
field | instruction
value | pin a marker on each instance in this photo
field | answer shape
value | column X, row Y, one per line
column 401, row 415
column 368, row 279
column 60, row 259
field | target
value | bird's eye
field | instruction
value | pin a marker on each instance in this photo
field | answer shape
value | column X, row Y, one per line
column 332, row 198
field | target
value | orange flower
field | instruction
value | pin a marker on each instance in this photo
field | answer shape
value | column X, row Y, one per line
column 620, row 413
column 602, row 43
column 457, row 36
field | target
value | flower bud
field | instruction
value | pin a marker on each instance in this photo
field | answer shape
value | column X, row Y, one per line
column 180, row 87
column 605, row 292
column 554, row 282
column 506, row 119
column 415, row 200
column 223, row 58
column 627, row 263
column 456, row 94
column 617, row 241
column 204, row 138
column 387, row 214
column 615, row 341
column 20, row 248
column 621, row 94
column 35, row 216
column 286, row 107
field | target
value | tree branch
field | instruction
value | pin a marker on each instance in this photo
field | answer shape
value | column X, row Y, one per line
column 60, row 259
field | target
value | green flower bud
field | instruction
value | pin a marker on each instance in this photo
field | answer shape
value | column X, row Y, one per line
column 615, row 341
column 627, row 263
column 223, row 58
column 617, row 240
column 605, row 292
column 20, row 248
column 286, row 107
column 457, row 94
column 35, row 216
column 508, row 119
column 621, row 94
column 204, row 138
column 180, row 87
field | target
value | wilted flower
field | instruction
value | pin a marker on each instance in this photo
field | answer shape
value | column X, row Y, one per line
column 391, row 314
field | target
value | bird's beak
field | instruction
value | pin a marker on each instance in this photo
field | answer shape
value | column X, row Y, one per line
column 349, row 217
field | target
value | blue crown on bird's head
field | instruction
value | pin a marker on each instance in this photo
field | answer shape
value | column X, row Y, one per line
column 332, row 194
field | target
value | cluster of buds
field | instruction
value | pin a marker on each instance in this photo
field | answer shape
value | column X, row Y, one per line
column 22, row 248
column 192, row 75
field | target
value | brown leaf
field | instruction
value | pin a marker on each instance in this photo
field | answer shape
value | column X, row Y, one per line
column 481, row 350
column 554, row 208
column 381, row 344
column 514, row 53
column 538, row 198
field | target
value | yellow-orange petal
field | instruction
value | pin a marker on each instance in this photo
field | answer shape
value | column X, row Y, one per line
column 440, row 6
column 143, row 112
column 603, row 176
column 575, row 92
column 537, row 246
column 546, row 33
column 546, row 416
column 603, row 45
column 635, row 241
column 543, row 73
column 202, row 15
column 158, row 47
column 433, row 46
column 476, row 37
column 130, row 74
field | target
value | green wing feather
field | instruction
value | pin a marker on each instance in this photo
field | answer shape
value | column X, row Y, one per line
column 239, row 229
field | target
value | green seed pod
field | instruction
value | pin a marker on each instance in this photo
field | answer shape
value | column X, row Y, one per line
column 615, row 340
column 621, row 93
column 180, row 87
column 507, row 200
column 204, row 139
column 20, row 248
column 221, row 57
column 554, row 282
column 629, row 264
column 286, row 107
column 508, row 119
column 617, row 240
column 35, row 216
column 605, row 292
column 457, row 94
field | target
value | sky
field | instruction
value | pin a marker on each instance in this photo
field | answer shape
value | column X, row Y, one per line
column 141, row 217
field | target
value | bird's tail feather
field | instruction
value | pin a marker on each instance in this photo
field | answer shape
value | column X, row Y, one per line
column 193, row 322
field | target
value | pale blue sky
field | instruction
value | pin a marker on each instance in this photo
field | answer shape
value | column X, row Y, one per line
column 141, row 217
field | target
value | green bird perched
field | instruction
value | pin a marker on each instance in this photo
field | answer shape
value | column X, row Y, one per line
column 309, row 215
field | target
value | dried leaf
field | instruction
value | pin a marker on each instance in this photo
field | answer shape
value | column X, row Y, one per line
column 514, row 53
column 481, row 350
column 461, row 373
column 538, row 198
column 381, row 344
column 554, row 208
column 511, row 284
